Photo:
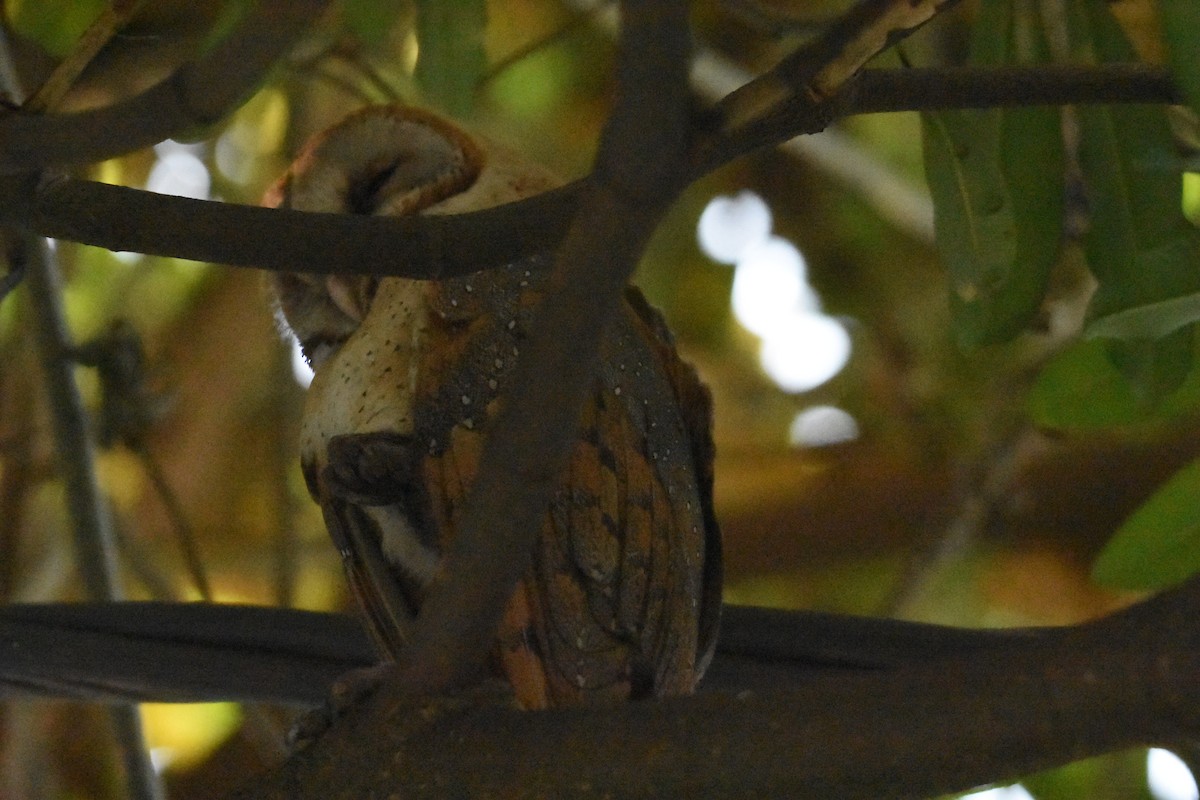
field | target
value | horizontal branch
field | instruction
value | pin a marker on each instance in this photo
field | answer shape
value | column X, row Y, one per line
column 206, row 652
column 197, row 95
column 122, row 219
column 934, row 89
column 936, row 727
column 875, row 91
column 829, row 694
column 176, row 652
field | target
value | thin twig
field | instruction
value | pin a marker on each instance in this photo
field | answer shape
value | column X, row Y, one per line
column 283, row 424
column 91, row 522
column 13, row 277
column 112, row 18
column 931, row 89
column 185, row 534
column 346, row 52
column 528, row 49
column 896, row 197
column 199, row 94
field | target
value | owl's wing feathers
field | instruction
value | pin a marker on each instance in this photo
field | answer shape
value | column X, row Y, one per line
column 627, row 572
column 389, row 613
column 624, row 589
column 693, row 401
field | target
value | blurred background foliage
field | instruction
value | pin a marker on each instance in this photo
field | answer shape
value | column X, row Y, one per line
column 973, row 487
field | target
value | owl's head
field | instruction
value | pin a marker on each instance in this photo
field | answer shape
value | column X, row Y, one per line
column 384, row 161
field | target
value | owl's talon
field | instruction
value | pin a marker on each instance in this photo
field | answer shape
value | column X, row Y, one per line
column 308, row 728
column 348, row 690
column 356, row 685
column 366, row 468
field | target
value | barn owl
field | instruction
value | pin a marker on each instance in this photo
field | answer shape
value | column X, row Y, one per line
column 622, row 597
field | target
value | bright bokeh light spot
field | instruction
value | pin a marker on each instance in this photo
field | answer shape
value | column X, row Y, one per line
column 1014, row 792
column 180, row 173
column 1168, row 777
column 301, row 371
column 161, row 758
column 771, row 297
column 127, row 256
column 1191, row 196
column 184, row 734
column 805, row 350
column 821, row 426
column 731, row 224
column 770, row 285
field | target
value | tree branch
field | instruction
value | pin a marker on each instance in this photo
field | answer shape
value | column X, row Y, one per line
column 431, row 247
column 637, row 171
column 934, row 89
column 206, row 652
column 197, row 95
column 427, row 247
column 945, row 725
column 1049, row 695
column 876, row 91
column 176, row 652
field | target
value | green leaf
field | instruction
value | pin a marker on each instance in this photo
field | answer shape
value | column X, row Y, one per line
column 54, row 24
column 974, row 224
column 1159, row 545
column 1181, row 22
column 1082, row 390
column 451, row 61
column 1138, row 244
column 1149, row 321
column 372, row 20
column 996, row 178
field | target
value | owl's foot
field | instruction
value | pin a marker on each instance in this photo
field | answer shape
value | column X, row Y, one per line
column 347, row 691
column 370, row 469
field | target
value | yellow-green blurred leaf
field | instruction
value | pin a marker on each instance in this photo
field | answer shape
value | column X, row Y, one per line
column 1081, row 390
column 372, row 20
column 451, row 60
column 1159, row 545
column 54, row 24
column 186, row 733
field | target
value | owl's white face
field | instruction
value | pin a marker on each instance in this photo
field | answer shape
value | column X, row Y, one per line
column 367, row 383
column 363, row 336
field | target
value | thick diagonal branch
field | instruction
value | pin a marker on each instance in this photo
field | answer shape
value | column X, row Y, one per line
column 926, row 729
column 637, row 172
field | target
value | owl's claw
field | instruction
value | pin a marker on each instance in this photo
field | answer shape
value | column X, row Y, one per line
column 348, row 690
column 369, row 469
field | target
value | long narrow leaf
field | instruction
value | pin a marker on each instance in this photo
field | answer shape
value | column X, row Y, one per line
column 996, row 177
column 1138, row 245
